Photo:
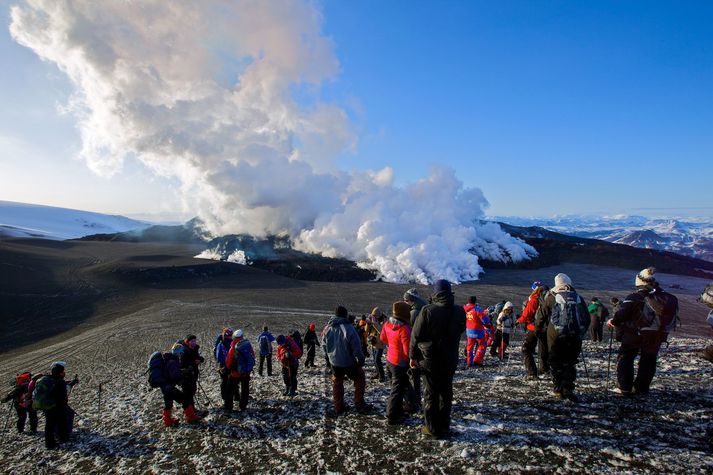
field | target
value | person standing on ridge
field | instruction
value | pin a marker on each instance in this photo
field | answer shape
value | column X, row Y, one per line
column 221, row 355
column 188, row 353
column 264, row 344
column 598, row 314
column 416, row 303
column 476, row 342
column 373, row 333
column 311, row 342
column 527, row 318
column 240, row 361
column 342, row 346
column 288, row 354
column 434, row 348
column 567, row 320
column 643, row 321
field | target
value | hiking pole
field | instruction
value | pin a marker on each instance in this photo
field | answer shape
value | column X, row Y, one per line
column 611, row 337
column 205, row 394
column 586, row 372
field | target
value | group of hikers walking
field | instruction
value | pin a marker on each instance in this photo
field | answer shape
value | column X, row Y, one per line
column 421, row 339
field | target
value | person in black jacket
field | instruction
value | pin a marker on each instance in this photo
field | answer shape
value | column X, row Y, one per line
column 434, row 349
column 172, row 376
column 56, row 419
column 635, row 340
column 311, row 341
column 189, row 359
column 564, row 333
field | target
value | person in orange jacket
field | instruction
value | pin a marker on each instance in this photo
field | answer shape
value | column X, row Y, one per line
column 476, row 342
column 533, row 336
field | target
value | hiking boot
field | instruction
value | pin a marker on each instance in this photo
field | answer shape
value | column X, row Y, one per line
column 557, row 393
column 190, row 414
column 286, row 392
column 364, row 408
column 427, row 432
column 202, row 413
column 168, row 419
column 622, row 392
column 570, row 396
column 292, row 393
column 532, row 377
column 395, row 421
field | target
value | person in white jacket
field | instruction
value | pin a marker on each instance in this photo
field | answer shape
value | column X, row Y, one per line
column 505, row 324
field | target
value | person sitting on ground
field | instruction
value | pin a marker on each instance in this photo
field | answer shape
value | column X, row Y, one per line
column 344, row 353
column 21, row 397
column 240, row 362
column 288, row 354
column 396, row 334
column 264, row 344
column 311, row 342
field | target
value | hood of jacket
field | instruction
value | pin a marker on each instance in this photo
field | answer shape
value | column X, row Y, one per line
column 443, row 298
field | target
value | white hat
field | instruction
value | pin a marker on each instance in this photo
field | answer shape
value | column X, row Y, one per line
column 645, row 277
column 507, row 305
column 562, row 279
column 238, row 333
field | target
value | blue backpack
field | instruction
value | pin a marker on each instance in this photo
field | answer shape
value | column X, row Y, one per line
column 243, row 357
column 568, row 315
column 155, row 370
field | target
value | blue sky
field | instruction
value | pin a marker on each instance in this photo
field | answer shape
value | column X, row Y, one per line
column 549, row 107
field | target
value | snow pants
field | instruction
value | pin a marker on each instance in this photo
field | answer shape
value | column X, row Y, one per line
column 415, row 377
column 646, row 345
column 170, row 394
column 263, row 359
column 437, row 400
column 500, row 344
column 311, row 350
column 376, row 354
column 356, row 374
column 189, row 386
column 240, row 391
column 289, row 377
column 22, row 415
column 56, row 423
column 564, row 351
column 475, row 350
column 595, row 328
column 529, row 346
column 400, row 388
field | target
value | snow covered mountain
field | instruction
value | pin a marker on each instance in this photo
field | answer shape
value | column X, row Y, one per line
column 688, row 236
column 49, row 222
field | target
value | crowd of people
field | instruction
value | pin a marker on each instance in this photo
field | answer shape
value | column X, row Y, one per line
column 421, row 340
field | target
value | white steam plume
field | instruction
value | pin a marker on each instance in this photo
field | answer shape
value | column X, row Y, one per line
column 225, row 96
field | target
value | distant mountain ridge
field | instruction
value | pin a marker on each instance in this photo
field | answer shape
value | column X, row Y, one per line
column 691, row 237
column 50, row 222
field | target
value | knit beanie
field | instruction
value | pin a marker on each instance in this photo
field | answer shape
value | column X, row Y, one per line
column 411, row 295
column 442, row 285
column 562, row 279
column 507, row 305
column 401, row 311
column 645, row 277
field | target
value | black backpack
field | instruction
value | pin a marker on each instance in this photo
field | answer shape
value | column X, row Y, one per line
column 156, row 370
column 660, row 312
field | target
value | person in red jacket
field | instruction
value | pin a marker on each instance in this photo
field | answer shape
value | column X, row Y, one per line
column 475, row 332
column 532, row 337
column 396, row 334
column 288, row 354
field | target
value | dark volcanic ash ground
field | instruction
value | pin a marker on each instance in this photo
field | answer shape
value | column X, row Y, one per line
column 504, row 423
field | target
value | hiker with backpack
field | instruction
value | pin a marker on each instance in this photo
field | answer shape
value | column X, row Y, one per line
column 264, row 344
column 532, row 339
column 416, row 303
column 706, row 297
column 311, row 342
column 373, row 338
column 50, row 395
column 505, row 323
column 21, row 397
column 343, row 350
column 240, row 361
column 567, row 319
column 476, row 341
column 642, row 321
column 165, row 373
column 434, row 348
column 396, row 335
column 288, row 354
column 598, row 314
column 189, row 359
column 221, row 356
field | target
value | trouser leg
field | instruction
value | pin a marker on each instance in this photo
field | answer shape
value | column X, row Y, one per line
column 528, row 353
column 650, row 346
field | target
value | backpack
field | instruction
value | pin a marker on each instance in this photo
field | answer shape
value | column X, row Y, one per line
column 243, row 357
column 42, row 398
column 660, row 312
column 567, row 315
column 264, row 342
column 155, row 369
column 707, row 295
column 295, row 348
